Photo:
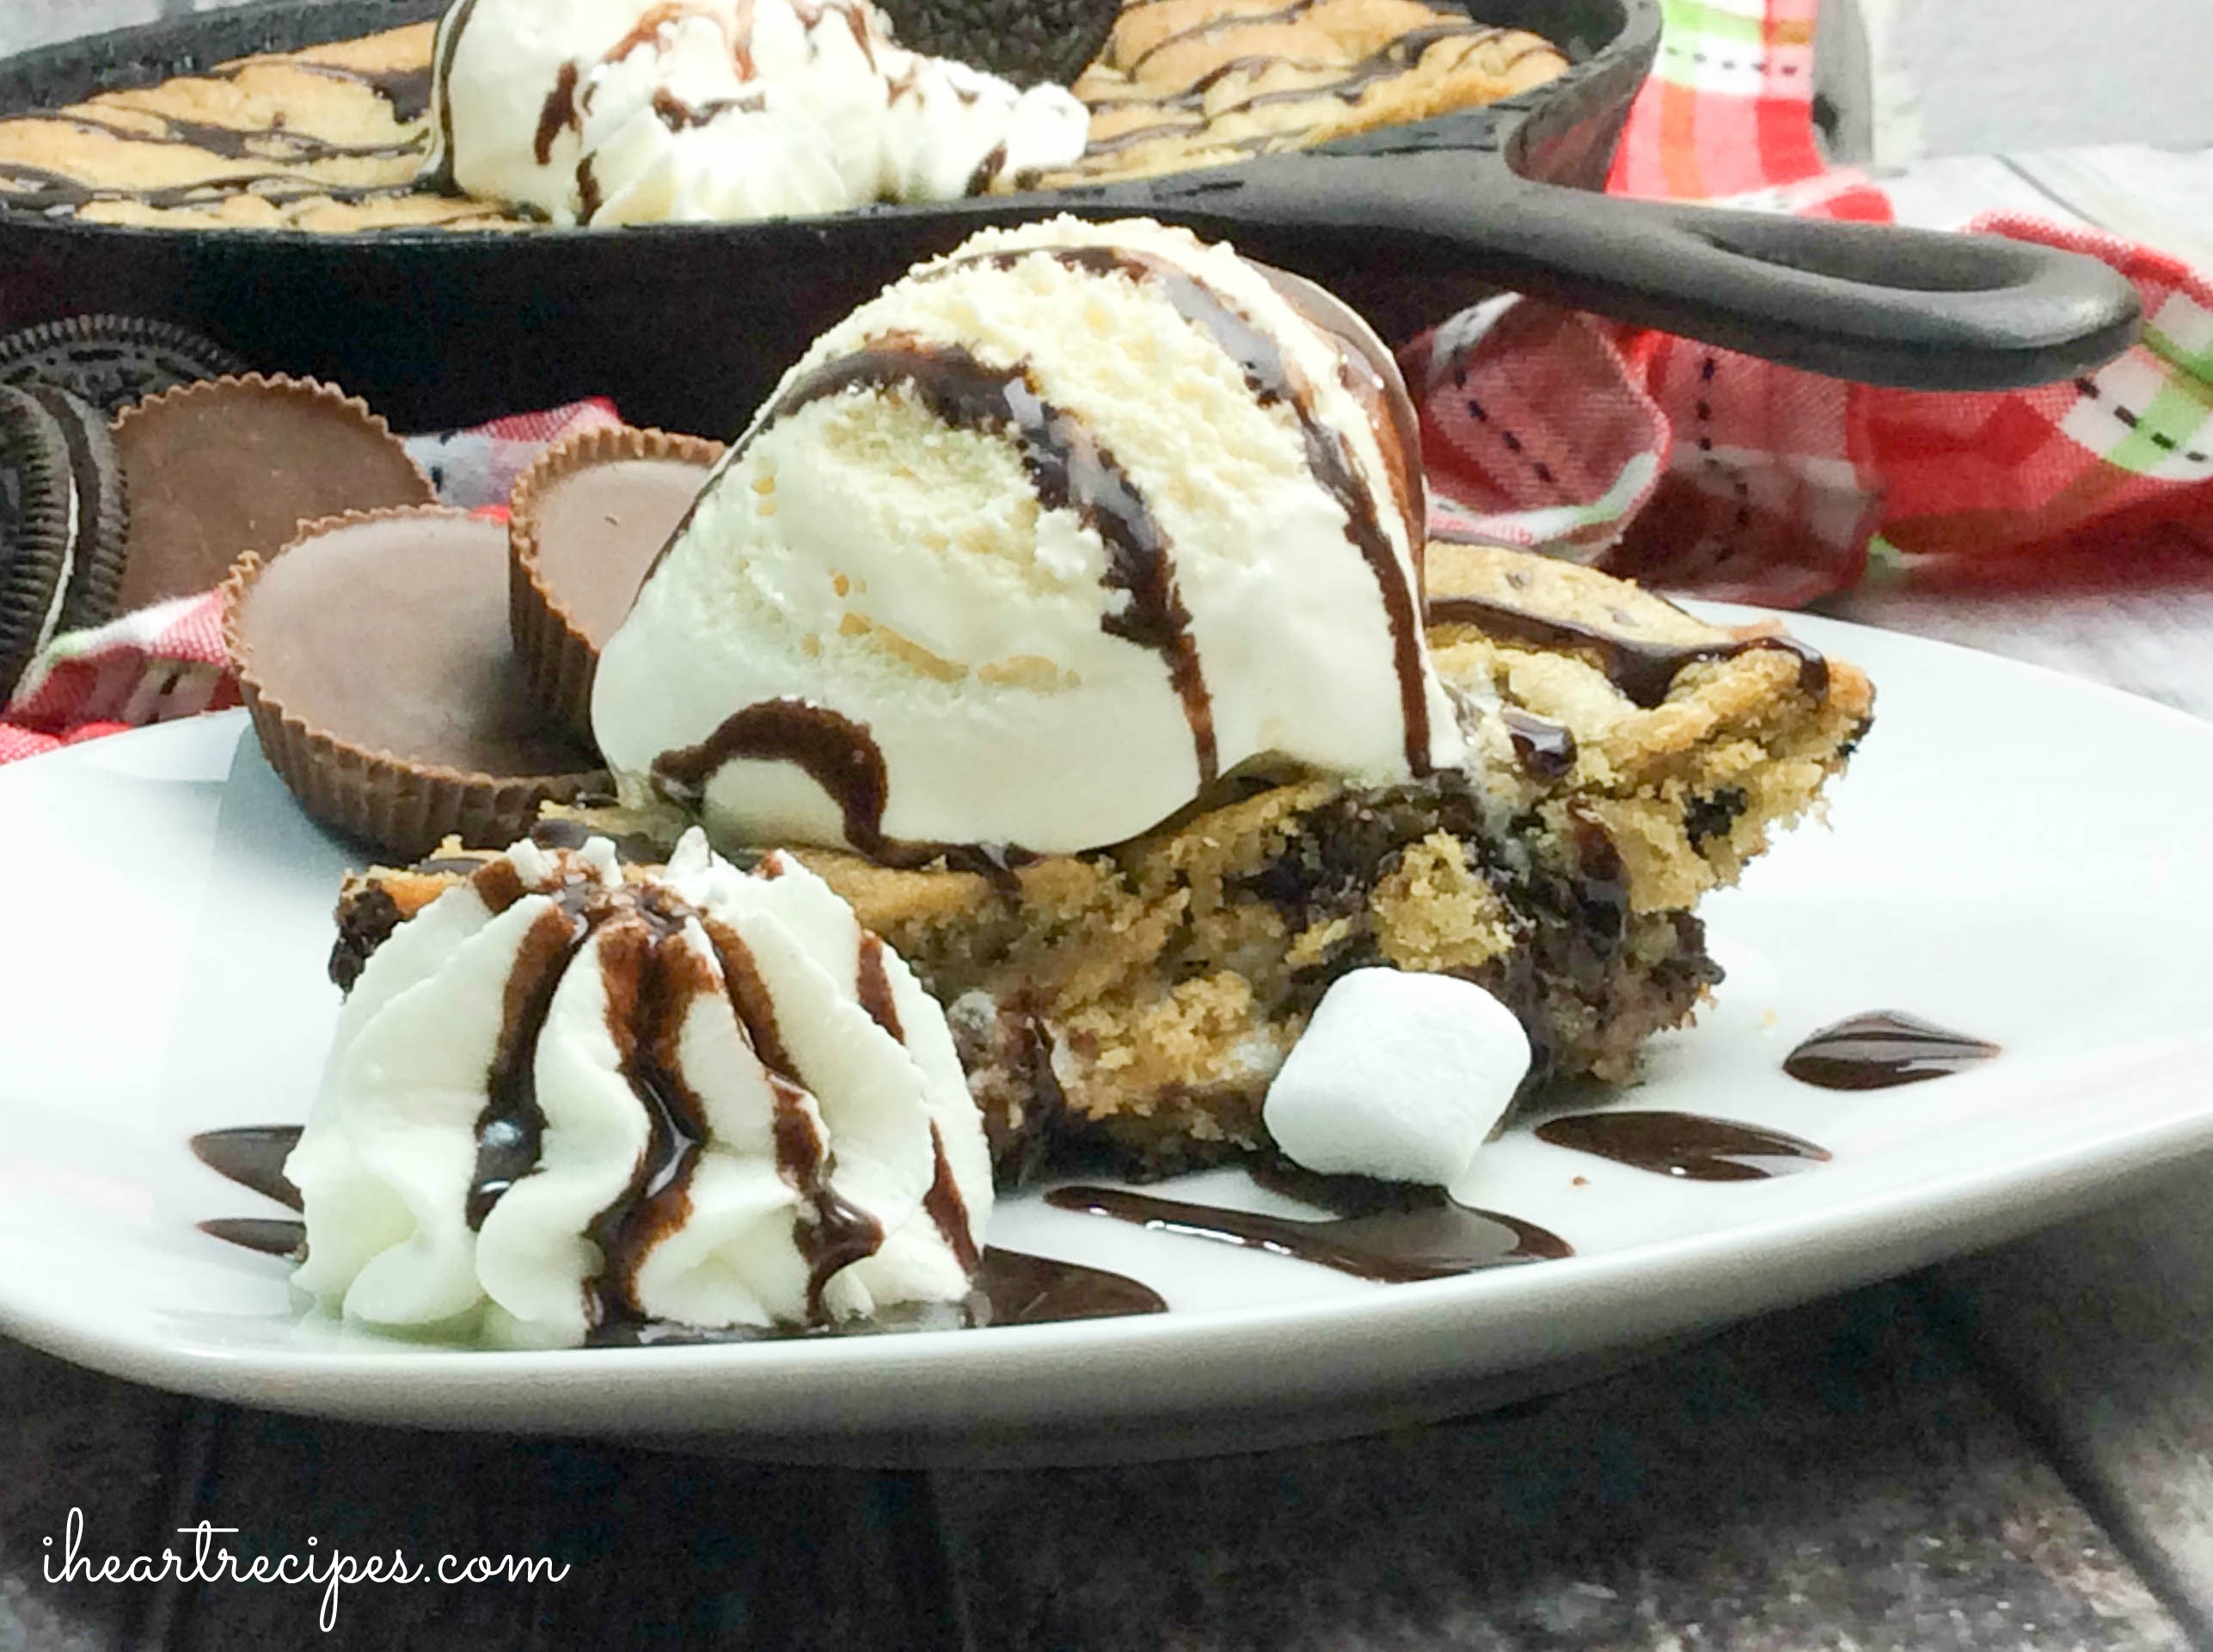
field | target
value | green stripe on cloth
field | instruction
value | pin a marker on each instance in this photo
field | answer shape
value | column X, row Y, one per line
column 2174, row 419
column 1685, row 19
column 2197, row 365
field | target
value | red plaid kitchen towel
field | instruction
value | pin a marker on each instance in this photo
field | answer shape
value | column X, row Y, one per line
column 1711, row 472
column 167, row 661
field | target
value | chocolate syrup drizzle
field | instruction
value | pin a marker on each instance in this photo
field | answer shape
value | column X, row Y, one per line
column 1686, row 1146
column 40, row 190
column 652, row 977
column 1272, row 380
column 272, row 1236
column 1011, row 1288
column 841, row 756
column 1642, row 668
column 230, row 142
column 1884, row 1049
column 559, row 114
column 1017, row 1288
column 1431, row 1237
column 253, row 1157
column 1394, row 58
column 448, row 45
column 407, row 91
column 1069, row 470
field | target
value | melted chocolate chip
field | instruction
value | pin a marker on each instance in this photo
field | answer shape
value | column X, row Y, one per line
column 1687, row 1146
column 1427, row 1241
column 1712, row 814
column 1883, row 1049
column 364, row 924
column 1546, row 749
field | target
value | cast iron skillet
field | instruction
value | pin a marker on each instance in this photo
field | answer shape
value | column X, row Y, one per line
column 689, row 326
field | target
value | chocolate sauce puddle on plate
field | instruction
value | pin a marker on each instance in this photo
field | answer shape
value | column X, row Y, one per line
column 1017, row 1288
column 272, row 1236
column 1433, row 1238
column 252, row 1157
column 1687, row 1146
column 1012, row 1287
column 1881, row 1049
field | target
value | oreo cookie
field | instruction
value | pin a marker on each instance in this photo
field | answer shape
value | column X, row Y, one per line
column 39, row 526
column 103, row 509
column 111, row 361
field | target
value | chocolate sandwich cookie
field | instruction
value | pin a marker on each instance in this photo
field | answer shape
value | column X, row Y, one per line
column 233, row 465
column 111, row 361
column 584, row 523
column 103, row 513
column 38, row 530
column 373, row 654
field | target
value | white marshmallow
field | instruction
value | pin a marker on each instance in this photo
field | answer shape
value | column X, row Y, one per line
column 1400, row 1076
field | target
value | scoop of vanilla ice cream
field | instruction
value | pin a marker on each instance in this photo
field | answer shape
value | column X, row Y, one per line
column 1031, row 549
column 561, row 1099
column 624, row 111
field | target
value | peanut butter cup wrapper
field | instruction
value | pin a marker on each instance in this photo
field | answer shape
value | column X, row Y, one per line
column 558, row 655
column 222, row 467
column 396, row 804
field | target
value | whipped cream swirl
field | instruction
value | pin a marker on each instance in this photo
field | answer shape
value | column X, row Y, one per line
column 614, row 112
column 563, row 1102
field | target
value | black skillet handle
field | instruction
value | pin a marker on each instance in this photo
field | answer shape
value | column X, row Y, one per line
column 1921, row 309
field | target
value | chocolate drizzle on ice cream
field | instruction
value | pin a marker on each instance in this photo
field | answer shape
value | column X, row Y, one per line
column 872, row 627
column 1274, row 381
column 634, row 110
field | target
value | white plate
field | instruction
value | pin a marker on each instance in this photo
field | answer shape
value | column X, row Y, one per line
column 2016, row 854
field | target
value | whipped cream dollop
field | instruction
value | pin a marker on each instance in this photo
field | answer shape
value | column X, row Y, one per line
column 563, row 1101
column 1032, row 550
column 662, row 111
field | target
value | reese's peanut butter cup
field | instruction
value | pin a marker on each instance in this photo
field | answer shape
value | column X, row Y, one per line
column 373, row 653
column 231, row 465
column 584, row 523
